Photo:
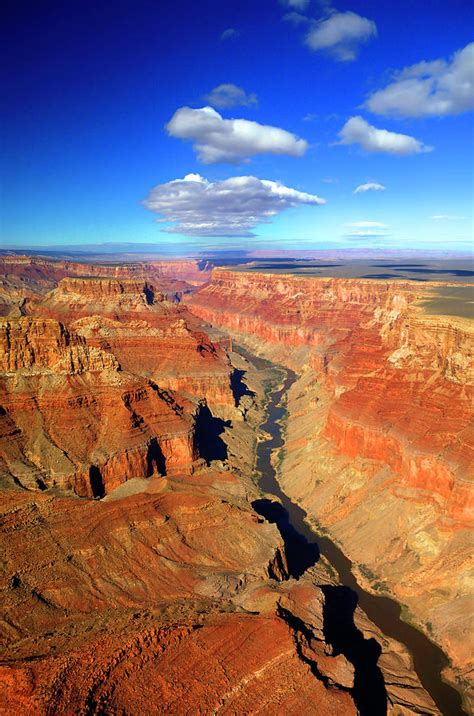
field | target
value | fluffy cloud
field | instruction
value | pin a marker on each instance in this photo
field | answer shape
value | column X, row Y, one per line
column 435, row 89
column 357, row 131
column 370, row 186
column 340, row 34
column 232, row 207
column 229, row 33
column 231, row 140
column 229, row 95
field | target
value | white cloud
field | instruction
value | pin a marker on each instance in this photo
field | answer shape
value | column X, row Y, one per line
column 231, row 207
column 447, row 217
column 357, row 131
column 229, row 95
column 229, row 33
column 367, row 225
column 370, row 186
column 296, row 18
column 365, row 230
column 231, row 140
column 340, row 34
column 435, row 89
column 296, row 4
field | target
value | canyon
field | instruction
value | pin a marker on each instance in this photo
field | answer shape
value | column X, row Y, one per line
column 145, row 568
column 379, row 434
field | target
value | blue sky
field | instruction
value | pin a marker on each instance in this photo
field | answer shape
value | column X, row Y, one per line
column 96, row 123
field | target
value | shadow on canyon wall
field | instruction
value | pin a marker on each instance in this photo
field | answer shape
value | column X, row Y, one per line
column 156, row 462
column 208, row 431
column 345, row 638
column 340, row 631
column 300, row 554
column 96, row 481
column 239, row 388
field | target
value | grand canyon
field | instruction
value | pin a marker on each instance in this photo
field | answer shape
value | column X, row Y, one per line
column 237, row 358
column 233, row 490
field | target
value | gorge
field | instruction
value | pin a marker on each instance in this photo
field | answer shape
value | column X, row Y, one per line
column 273, row 418
column 303, row 546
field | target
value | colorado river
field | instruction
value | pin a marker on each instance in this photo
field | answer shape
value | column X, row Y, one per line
column 303, row 545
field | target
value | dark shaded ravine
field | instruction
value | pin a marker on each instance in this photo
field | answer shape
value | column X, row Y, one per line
column 303, row 545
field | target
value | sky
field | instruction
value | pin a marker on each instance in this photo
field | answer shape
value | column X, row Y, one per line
column 277, row 124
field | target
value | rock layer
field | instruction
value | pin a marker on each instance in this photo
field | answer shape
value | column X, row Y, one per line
column 108, row 386
column 103, row 599
column 380, row 438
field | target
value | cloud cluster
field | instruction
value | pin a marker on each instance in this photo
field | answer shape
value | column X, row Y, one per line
column 429, row 89
column 229, row 33
column 231, row 140
column 340, row 34
column 231, row 207
column 229, row 95
column 370, row 186
column 357, row 131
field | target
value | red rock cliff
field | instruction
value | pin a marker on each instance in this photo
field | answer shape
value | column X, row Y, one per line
column 380, row 430
column 107, row 387
column 392, row 371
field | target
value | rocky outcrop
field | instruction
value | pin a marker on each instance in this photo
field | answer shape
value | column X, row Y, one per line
column 41, row 345
column 298, row 311
column 139, row 589
column 380, row 426
column 170, row 351
column 123, row 299
column 92, row 431
column 26, row 279
column 91, row 404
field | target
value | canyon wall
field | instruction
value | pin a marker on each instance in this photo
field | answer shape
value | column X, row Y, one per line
column 105, row 380
column 379, row 437
column 189, row 270
column 25, row 278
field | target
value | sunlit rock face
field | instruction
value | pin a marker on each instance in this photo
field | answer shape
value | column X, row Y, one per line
column 102, row 382
column 74, row 419
column 136, row 603
column 48, row 270
column 380, row 441
column 25, row 278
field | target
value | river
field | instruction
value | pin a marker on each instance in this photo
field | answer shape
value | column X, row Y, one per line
column 303, row 545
